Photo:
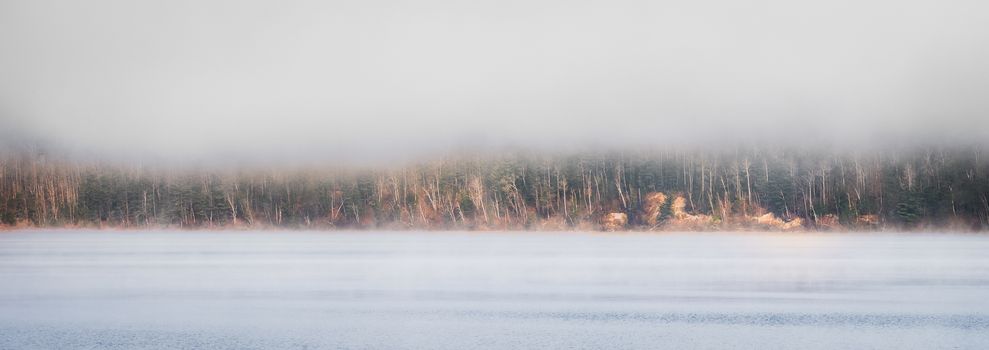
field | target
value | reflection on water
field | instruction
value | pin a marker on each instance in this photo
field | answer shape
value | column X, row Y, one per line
column 77, row 289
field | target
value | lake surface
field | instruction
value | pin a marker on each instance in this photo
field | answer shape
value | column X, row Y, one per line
column 261, row 290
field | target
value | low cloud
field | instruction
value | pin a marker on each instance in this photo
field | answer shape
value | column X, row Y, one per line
column 382, row 79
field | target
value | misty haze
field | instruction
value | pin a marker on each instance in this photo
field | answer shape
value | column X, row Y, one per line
column 494, row 174
column 351, row 79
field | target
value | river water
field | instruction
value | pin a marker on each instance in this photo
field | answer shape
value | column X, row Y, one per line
column 456, row 290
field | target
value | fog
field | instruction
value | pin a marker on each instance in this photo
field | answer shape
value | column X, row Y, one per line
column 375, row 290
column 390, row 78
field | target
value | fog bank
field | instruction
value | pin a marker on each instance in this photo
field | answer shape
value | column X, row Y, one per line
column 393, row 78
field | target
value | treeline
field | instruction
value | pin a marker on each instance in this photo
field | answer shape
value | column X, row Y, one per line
column 925, row 188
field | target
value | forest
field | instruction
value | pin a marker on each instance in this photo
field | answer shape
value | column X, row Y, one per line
column 741, row 188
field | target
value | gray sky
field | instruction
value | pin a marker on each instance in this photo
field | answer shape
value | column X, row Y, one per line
column 380, row 78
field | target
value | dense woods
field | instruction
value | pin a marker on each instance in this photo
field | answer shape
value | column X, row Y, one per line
column 695, row 189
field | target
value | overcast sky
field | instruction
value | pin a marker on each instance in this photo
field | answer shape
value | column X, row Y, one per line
column 380, row 78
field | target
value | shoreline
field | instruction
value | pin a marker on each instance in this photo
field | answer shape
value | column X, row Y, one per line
column 489, row 231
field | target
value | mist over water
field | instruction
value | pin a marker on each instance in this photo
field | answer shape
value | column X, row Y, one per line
column 865, row 114
column 247, row 290
column 357, row 80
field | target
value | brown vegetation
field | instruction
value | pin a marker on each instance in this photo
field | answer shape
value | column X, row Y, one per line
column 614, row 222
column 756, row 189
column 652, row 207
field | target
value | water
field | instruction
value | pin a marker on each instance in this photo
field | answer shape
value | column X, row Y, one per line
column 247, row 290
